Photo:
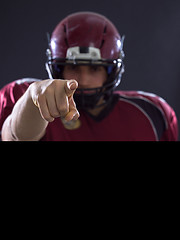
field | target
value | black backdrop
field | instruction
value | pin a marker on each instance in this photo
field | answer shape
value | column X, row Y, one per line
column 152, row 43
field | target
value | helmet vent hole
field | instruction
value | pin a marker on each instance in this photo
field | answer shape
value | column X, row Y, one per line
column 105, row 29
column 102, row 43
column 66, row 41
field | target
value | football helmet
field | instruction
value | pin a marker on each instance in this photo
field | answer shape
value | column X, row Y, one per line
column 87, row 38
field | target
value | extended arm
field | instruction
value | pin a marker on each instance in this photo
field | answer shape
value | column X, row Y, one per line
column 41, row 103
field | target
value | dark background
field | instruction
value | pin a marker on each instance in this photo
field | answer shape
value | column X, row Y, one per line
column 152, row 43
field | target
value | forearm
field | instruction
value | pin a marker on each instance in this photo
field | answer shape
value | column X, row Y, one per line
column 25, row 121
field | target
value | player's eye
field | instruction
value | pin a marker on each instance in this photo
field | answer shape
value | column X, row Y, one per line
column 96, row 68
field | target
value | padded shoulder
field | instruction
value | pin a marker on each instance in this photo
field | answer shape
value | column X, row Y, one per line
column 157, row 110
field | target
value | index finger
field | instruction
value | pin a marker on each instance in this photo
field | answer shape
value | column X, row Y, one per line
column 73, row 112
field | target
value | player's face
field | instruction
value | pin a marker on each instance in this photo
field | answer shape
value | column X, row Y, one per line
column 87, row 76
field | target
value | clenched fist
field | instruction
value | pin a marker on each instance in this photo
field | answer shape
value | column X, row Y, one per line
column 54, row 98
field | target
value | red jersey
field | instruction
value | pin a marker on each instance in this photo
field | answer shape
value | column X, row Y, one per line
column 131, row 116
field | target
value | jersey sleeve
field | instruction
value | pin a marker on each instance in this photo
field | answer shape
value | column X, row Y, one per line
column 9, row 95
column 169, row 117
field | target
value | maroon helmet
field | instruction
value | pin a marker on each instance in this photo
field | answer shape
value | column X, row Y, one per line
column 86, row 38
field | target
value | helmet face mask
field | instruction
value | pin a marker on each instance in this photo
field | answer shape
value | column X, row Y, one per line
column 88, row 98
column 88, row 55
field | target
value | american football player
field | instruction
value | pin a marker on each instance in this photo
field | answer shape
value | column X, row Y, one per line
column 79, row 101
